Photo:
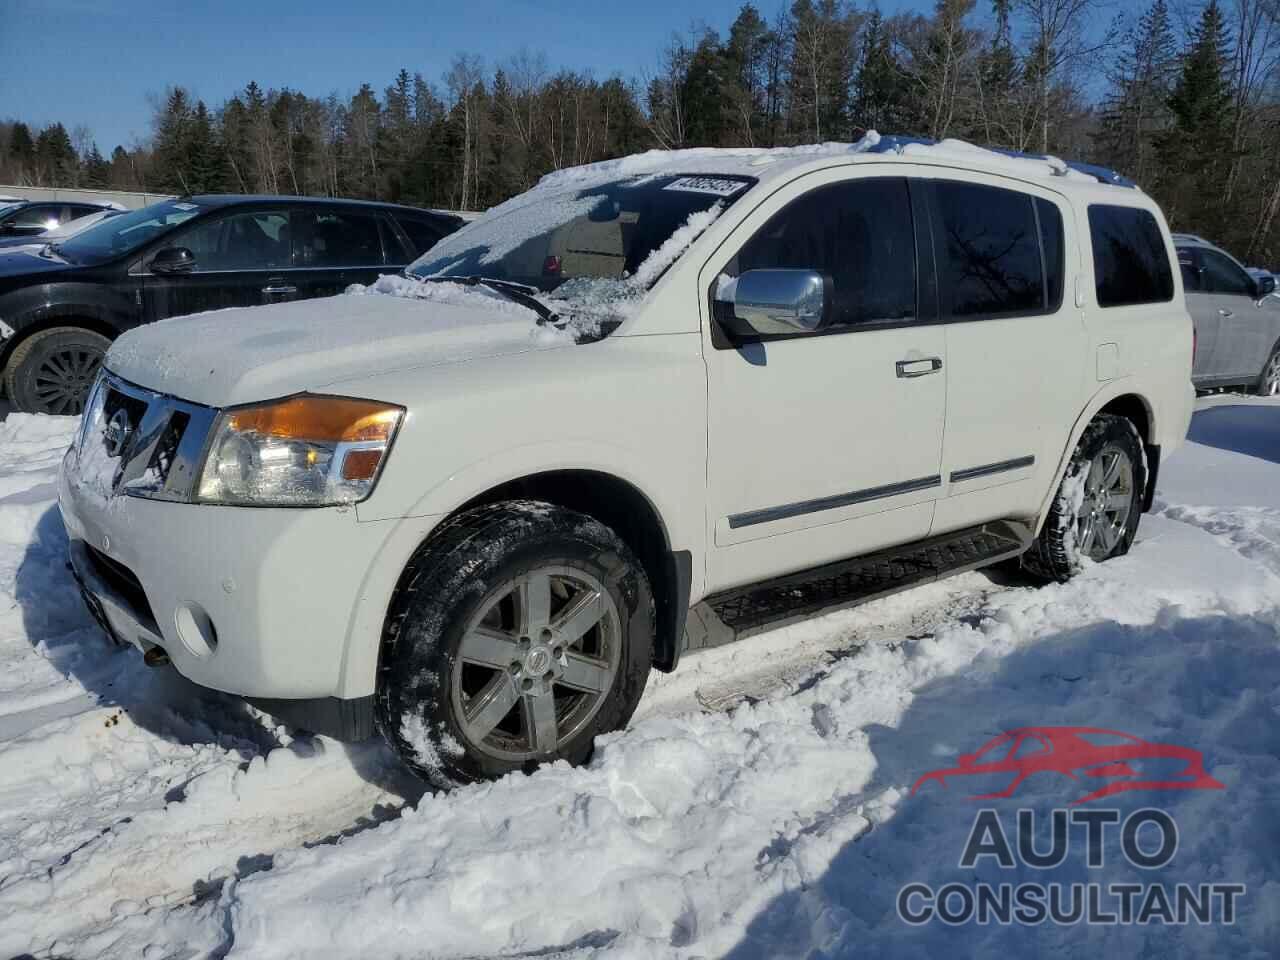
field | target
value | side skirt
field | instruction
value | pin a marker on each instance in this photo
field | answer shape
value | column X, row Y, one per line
column 744, row 611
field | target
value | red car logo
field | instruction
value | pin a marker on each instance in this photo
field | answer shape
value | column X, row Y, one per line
column 1080, row 753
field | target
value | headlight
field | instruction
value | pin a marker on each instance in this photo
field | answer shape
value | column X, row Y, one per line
column 303, row 451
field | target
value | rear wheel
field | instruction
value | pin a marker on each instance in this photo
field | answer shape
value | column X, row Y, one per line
column 1269, row 382
column 518, row 634
column 1096, row 511
column 52, row 371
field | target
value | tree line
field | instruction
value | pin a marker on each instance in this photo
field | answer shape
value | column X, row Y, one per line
column 1182, row 95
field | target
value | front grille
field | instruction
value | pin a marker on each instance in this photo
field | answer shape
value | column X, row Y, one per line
column 152, row 442
column 123, row 581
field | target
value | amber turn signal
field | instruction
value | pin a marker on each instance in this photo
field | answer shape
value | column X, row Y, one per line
column 320, row 419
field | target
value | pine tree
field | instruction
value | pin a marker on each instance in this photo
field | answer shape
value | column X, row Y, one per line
column 1193, row 152
column 22, row 153
column 97, row 172
column 1136, row 110
column 56, row 162
column 878, row 88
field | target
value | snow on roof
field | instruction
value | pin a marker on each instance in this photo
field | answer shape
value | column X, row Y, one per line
column 768, row 162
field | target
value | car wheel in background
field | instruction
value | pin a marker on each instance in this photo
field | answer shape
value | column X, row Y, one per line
column 1095, row 513
column 518, row 633
column 52, row 371
column 1269, row 382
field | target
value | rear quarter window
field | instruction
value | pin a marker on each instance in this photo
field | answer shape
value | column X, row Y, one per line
column 1130, row 261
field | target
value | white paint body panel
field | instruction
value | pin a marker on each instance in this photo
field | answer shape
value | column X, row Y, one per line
column 703, row 433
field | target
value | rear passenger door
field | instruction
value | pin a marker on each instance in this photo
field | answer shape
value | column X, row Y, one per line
column 1204, row 316
column 1015, row 344
column 335, row 247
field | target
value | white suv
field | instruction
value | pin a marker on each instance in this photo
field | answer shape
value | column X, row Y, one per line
column 652, row 404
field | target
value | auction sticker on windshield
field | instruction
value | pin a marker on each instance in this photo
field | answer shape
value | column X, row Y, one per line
column 720, row 186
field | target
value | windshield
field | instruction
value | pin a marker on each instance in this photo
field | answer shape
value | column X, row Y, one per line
column 126, row 232
column 629, row 230
column 7, row 207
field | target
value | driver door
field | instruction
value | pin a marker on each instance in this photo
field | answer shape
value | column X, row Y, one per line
column 242, row 259
column 827, row 444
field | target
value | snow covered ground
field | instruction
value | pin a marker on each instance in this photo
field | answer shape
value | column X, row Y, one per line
column 758, row 806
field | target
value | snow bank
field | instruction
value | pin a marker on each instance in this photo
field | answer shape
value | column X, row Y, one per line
column 757, row 807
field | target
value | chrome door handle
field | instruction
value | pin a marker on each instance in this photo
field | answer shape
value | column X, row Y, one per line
column 1225, row 313
column 918, row 368
column 280, row 289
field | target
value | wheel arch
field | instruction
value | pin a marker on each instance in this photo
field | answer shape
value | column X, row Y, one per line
column 1120, row 400
column 49, row 322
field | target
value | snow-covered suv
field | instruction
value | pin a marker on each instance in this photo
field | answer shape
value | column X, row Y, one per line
column 650, row 405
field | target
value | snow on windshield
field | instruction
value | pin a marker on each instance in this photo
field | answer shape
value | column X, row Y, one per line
column 585, row 307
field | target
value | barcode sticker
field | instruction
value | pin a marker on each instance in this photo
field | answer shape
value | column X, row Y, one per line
column 720, row 186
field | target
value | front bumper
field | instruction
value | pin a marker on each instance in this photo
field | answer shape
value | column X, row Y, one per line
column 279, row 592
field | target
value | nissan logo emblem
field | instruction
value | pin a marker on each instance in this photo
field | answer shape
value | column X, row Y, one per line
column 117, row 432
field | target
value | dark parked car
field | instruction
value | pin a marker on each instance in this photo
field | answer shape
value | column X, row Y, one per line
column 60, row 310
column 33, row 219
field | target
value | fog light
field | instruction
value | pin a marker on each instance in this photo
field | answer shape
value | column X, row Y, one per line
column 195, row 629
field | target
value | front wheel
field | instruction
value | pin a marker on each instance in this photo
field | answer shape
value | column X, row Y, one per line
column 518, row 634
column 52, row 371
column 1096, row 511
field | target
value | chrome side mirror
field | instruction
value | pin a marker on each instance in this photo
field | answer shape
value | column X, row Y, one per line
column 774, row 302
column 1264, row 287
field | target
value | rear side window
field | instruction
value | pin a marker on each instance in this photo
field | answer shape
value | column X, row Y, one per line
column 992, row 264
column 860, row 234
column 1130, row 262
column 1190, row 270
column 1051, row 243
column 332, row 238
column 422, row 234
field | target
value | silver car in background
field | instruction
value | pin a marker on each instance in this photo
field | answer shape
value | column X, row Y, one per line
column 1237, row 321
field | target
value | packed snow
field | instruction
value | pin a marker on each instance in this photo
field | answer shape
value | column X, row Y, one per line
column 757, row 806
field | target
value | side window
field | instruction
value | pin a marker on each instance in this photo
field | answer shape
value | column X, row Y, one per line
column 1130, row 263
column 992, row 264
column 421, row 233
column 336, row 238
column 1051, row 242
column 77, row 210
column 37, row 216
column 1190, row 267
column 253, row 240
column 1223, row 276
column 860, row 234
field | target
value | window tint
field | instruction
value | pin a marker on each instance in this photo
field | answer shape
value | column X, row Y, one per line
column 330, row 238
column 1052, row 243
column 1223, row 276
column 1130, row 264
column 422, row 233
column 992, row 262
column 257, row 240
column 81, row 209
column 860, row 234
column 1190, row 268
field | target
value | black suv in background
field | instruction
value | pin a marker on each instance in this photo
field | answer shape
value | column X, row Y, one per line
column 32, row 219
column 60, row 310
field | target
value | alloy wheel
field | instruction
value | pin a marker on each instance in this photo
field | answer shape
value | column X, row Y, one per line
column 536, row 664
column 63, row 379
column 1104, row 513
column 1271, row 377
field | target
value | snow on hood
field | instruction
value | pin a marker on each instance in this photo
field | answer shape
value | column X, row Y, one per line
column 248, row 354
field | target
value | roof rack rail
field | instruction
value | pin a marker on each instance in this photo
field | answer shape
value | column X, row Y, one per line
column 1193, row 237
column 894, row 143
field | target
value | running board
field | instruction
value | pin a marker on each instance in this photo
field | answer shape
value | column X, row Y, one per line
column 744, row 611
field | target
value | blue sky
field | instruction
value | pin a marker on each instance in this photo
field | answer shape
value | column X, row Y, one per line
column 95, row 62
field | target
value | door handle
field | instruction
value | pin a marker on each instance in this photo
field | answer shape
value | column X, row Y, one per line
column 1225, row 313
column 278, row 287
column 918, row 368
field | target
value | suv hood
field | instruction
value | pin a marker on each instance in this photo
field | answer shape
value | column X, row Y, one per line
column 249, row 354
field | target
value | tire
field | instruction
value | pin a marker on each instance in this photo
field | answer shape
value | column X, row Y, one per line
column 1086, row 523
column 1269, row 379
column 52, row 371
column 453, row 656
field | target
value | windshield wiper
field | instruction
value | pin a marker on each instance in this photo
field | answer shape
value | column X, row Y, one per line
column 520, row 293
